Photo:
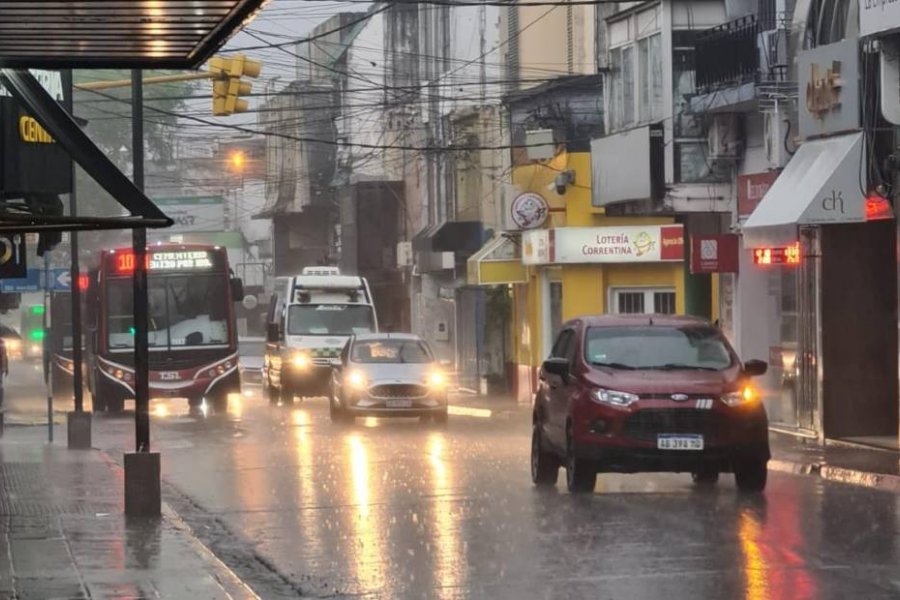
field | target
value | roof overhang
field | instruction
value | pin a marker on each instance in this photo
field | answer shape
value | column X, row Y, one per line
column 60, row 125
column 67, row 34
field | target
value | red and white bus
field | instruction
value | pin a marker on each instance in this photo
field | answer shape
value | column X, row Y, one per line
column 192, row 331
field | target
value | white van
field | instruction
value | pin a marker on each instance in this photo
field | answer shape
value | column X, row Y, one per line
column 311, row 316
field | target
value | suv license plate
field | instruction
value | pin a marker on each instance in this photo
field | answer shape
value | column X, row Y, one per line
column 398, row 403
column 679, row 442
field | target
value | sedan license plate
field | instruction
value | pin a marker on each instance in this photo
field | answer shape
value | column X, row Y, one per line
column 679, row 442
column 398, row 403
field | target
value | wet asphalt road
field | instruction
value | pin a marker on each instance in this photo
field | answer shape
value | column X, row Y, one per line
column 398, row 509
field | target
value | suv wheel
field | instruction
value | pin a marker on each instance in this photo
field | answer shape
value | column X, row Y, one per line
column 705, row 477
column 544, row 466
column 751, row 475
column 581, row 476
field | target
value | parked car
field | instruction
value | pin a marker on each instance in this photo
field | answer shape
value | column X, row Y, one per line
column 388, row 375
column 636, row 393
column 14, row 344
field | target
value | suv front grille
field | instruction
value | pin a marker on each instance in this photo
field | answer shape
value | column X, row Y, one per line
column 646, row 424
column 399, row 390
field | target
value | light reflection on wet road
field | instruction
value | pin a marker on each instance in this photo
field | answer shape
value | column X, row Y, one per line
column 399, row 509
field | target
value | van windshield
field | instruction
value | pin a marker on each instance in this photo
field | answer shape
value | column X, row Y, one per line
column 330, row 319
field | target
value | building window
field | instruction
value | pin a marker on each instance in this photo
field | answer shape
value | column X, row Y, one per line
column 826, row 22
column 692, row 164
column 622, row 87
column 650, row 77
column 643, row 301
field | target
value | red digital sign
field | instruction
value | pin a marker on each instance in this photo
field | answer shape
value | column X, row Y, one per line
column 789, row 255
column 167, row 260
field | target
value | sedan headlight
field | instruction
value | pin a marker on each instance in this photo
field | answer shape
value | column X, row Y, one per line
column 356, row 380
column 301, row 360
column 614, row 398
column 436, row 379
column 741, row 396
column 14, row 344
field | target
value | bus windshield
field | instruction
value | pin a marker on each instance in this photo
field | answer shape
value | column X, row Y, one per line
column 330, row 319
column 184, row 311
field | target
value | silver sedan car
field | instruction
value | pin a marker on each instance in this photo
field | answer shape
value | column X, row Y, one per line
column 388, row 375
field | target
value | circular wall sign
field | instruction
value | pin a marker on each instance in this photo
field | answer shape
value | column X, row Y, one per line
column 529, row 210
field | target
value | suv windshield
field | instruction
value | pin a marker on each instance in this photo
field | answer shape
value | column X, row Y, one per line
column 329, row 319
column 390, row 351
column 657, row 347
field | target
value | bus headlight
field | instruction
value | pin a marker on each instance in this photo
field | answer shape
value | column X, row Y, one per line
column 301, row 360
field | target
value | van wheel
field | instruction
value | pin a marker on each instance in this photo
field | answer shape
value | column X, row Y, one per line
column 273, row 393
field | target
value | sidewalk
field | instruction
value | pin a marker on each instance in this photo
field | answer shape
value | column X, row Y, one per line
column 63, row 533
column 874, row 468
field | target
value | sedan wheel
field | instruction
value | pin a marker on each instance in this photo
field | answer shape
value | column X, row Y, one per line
column 544, row 466
column 581, row 476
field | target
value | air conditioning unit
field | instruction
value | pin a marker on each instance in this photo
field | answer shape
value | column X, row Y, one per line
column 404, row 254
column 775, row 129
column 724, row 137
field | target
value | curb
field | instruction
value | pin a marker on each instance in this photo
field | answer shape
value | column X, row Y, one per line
column 229, row 581
column 879, row 481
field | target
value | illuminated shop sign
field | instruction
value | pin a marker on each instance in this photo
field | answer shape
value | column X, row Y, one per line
column 788, row 255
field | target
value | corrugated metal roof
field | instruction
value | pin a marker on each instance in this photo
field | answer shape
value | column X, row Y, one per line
column 117, row 33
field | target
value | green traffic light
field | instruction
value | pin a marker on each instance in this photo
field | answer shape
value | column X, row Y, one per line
column 37, row 309
column 36, row 334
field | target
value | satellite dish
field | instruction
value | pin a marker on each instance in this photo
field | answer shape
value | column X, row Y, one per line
column 250, row 302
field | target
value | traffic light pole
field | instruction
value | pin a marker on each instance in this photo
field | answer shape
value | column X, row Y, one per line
column 142, row 468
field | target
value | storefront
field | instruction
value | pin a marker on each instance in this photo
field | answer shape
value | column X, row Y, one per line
column 822, row 269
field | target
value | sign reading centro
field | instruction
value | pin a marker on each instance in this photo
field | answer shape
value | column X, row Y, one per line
column 627, row 244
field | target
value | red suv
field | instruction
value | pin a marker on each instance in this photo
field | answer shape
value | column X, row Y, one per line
column 647, row 393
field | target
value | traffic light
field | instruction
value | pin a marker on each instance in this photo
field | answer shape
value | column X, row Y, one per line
column 228, row 85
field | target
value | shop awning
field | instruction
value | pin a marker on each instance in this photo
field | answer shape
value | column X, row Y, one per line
column 821, row 185
column 499, row 261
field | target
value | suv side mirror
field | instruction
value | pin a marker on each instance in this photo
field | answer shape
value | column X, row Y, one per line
column 557, row 366
column 237, row 289
column 273, row 332
column 755, row 368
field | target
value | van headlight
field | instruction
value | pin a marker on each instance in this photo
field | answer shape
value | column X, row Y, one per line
column 614, row 398
column 301, row 360
column 742, row 396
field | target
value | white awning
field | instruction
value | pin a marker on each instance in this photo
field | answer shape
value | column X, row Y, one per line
column 822, row 184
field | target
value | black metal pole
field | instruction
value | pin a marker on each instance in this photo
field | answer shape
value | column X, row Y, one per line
column 77, row 383
column 139, row 244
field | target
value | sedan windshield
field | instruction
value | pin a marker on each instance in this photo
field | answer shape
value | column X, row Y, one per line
column 390, row 351
column 657, row 347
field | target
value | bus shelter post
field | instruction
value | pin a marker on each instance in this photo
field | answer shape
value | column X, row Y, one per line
column 78, row 421
column 142, row 468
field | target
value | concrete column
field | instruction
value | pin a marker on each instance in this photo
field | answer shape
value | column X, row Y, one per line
column 143, row 496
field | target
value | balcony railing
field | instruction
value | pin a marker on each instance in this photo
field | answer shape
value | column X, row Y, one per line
column 728, row 54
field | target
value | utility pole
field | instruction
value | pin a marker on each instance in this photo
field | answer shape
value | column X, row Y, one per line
column 79, row 421
column 142, row 467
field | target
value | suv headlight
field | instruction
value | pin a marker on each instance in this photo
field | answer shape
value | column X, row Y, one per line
column 614, row 398
column 742, row 396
